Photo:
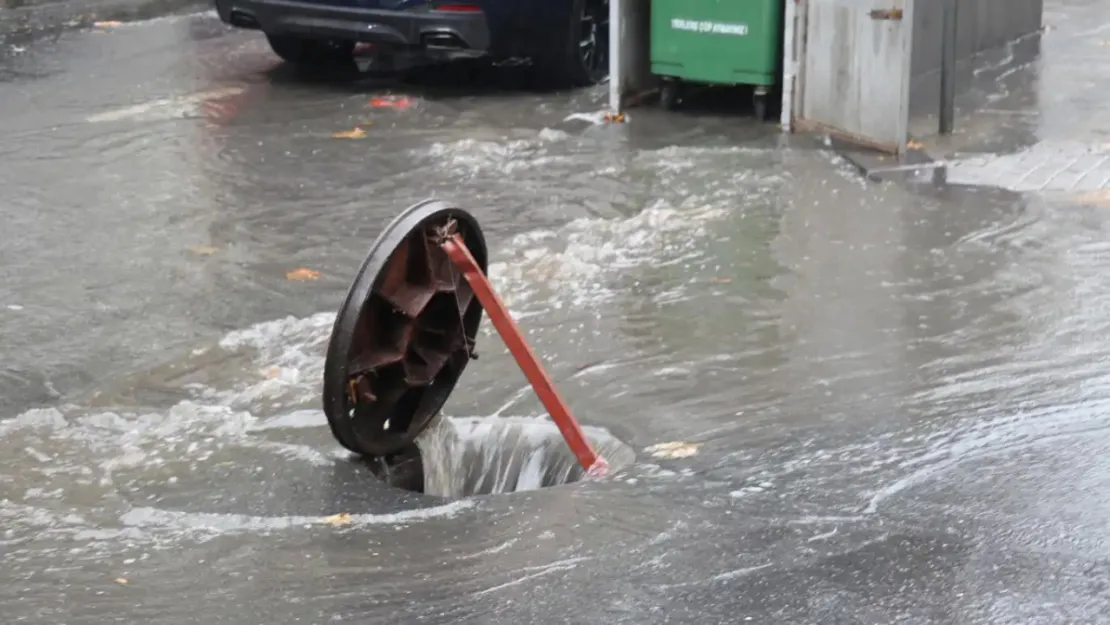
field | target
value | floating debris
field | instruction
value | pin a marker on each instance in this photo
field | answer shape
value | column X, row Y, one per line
column 336, row 520
column 674, row 450
column 356, row 133
column 302, row 274
column 391, row 102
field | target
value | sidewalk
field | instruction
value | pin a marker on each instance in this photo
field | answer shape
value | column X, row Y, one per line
column 1035, row 118
column 21, row 20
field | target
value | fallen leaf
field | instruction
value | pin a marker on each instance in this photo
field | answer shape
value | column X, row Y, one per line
column 336, row 520
column 356, row 133
column 302, row 274
column 674, row 449
column 121, row 581
column 107, row 24
column 203, row 250
column 720, row 280
column 1100, row 197
column 391, row 102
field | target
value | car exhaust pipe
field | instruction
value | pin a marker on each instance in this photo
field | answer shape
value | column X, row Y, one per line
column 442, row 40
column 241, row 19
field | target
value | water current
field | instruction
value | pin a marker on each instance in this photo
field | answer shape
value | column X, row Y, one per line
column 831, row 401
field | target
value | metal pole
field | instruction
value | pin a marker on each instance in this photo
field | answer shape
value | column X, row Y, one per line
column 617, row 65
column 789, row 66
column 948, row 68
column 525, row 358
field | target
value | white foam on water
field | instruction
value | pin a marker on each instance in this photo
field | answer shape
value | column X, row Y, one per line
column 590, row 260
column 288, row 355
column 572, row 265
column 61, row 471
column 156, row 528
column 596, row 118
column 58, row 466
column 70, row 459
column 471, row 157
column 581, row 264
column 297, row 419
column 70, row 462
column 164, row 108
column 228, row 523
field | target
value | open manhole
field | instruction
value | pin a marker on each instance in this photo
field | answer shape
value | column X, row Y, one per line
column 403, row 337
column 468, row 456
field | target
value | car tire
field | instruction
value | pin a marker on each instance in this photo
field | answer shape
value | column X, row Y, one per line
column 580, row 56
column 304, row 51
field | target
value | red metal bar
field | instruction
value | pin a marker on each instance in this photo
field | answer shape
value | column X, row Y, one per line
column 525, row 358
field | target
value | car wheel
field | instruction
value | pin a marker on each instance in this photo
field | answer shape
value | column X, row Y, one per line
column 303, row 51
column 583, row 58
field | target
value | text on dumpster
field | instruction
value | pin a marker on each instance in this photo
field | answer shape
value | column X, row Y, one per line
column 703, row 26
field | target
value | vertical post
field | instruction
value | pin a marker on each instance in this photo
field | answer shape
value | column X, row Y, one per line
column 948, row 68
column 616, row 55
column 789, row 66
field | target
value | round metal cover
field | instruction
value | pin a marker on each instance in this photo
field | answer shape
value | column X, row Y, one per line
column 404, row 334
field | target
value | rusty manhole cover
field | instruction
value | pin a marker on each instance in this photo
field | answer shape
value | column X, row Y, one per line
column 404, row 334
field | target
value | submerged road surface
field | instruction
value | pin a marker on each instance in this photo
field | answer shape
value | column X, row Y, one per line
column 892, row 406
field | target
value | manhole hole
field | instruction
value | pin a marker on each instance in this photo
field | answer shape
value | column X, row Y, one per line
column 464, row 457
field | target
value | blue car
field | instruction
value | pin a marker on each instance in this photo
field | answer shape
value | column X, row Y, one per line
column 567, row 40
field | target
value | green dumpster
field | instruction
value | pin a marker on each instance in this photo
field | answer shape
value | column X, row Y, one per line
column 720, row 42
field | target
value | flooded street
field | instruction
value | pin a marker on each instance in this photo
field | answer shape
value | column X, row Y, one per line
column 891, row 401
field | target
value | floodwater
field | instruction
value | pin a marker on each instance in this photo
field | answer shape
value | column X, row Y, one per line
column 848, row 403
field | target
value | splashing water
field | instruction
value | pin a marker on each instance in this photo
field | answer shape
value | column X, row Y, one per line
column 491, row 455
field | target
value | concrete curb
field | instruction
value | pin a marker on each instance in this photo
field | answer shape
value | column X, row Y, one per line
column 26, row 20
column 878, row 167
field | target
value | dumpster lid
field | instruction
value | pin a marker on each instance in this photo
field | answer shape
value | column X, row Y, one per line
column 404, row 333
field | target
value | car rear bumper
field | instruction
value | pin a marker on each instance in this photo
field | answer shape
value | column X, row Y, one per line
column 407, row 28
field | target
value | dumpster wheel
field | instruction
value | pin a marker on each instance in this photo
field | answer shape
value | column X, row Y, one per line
column 759, row 103
column 670, row 94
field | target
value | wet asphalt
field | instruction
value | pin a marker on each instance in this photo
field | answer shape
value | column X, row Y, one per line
column 892, row 399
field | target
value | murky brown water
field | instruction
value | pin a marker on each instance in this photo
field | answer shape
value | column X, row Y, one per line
column 894, row 400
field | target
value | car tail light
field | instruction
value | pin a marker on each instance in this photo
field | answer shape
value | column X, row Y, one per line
column 458, row 8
